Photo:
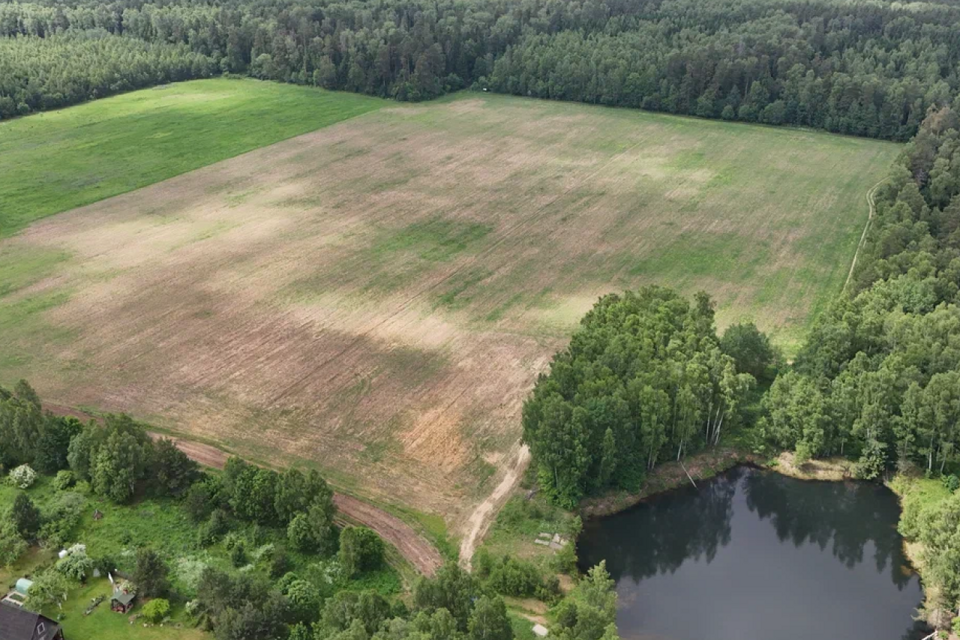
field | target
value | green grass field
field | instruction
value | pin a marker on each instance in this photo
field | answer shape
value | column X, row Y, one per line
column 54, row 161
column 379, row 295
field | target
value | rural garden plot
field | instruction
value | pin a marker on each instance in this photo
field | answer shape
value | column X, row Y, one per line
column 378, row 296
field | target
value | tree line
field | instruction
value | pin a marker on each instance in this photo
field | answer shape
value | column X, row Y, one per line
column 865, row 69
column 879, row 376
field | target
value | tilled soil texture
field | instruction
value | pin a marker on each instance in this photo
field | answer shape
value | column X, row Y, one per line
column 379, row 296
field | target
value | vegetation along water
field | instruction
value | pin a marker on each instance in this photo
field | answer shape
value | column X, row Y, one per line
column 752, row 552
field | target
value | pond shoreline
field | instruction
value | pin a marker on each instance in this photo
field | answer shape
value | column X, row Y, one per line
column 706, row 465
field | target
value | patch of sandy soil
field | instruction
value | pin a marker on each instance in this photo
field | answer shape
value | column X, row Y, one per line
column 483, row 515
column 820, row 469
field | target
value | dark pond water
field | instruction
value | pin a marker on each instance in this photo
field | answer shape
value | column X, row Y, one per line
column 753, row 554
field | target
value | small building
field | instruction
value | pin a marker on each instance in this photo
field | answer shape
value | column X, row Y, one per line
column 23, row 586
column 20, row 624
column 122, row 602
column 540, row 631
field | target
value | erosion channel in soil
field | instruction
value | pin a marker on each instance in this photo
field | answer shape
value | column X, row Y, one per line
column 753, row 553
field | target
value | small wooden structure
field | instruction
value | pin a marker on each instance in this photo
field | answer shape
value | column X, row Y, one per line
column 122, row 601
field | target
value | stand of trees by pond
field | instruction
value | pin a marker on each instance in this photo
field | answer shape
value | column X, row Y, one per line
column 644, row 379
column 864, row 69
column 245, row 553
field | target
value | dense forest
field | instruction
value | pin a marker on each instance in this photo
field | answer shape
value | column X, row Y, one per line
column 879, row 376
column 866, row 69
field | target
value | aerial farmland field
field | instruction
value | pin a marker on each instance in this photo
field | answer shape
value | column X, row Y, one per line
column 378, row 296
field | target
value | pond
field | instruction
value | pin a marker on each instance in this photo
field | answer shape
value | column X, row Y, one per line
column 754, row 554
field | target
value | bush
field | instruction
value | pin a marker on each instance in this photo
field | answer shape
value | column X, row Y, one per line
column 513, row 577
column 300, row 534
column 156, row 610
column 202, row 499
column 12, row 546
column 76, row 564
column 217, row 526
column 61, row 517
column 361, row 550
column 64, row 480
column 951, row 482
column 279, row 564
column 23, row 476
column 26, row 516
column 238, row 555
column 105, row 564
column 150, row 574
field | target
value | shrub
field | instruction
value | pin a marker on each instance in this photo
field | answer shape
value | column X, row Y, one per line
column 215, row 528
column 189, row 572
column 361, row 550
column 156, row 610
column 61, row 517
column 64, row 480
column 951, row 482
column 238, row 555
column 513, row 577
column 304, row 601
column 150, row 574
column 300, row 534
column 202, row 498
column 231, row 540
column 12, row 546
column 76, row 564
column 23, row 476
column 279, row 564
column 26, row 516
column 105, row 564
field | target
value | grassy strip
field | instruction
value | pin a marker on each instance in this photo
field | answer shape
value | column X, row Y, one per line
column 55, row 161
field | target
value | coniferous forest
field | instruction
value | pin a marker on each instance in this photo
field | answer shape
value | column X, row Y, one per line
column 864, row 69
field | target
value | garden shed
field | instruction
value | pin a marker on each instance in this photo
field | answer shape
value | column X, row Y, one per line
column 122, row 602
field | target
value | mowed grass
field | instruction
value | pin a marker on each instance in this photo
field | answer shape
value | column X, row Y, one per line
column 54, row 161
column 377, row 297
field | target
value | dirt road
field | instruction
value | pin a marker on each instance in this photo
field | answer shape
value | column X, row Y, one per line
column 418, row 552
column 482, row 517
column 411, row 545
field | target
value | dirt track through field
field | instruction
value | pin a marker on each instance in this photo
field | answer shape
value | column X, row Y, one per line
column 482, row 517
column 414, row 548
column 379, row 296
column 871, row 205
column 422, row 555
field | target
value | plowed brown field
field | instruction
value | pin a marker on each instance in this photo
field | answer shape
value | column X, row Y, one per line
column 377, row 297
